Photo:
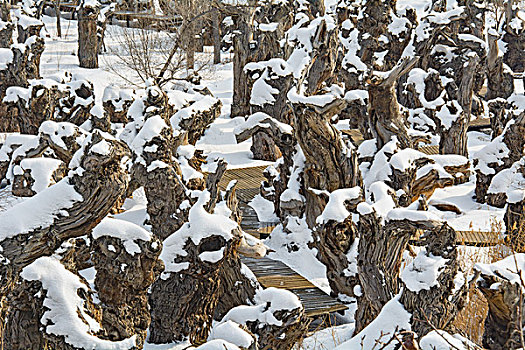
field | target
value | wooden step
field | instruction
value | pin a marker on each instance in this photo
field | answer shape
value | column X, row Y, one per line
column 273, row 273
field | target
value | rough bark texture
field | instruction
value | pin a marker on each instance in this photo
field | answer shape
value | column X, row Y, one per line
column 385, row 118
column 41, row 106
column 505, row 301
column 163, row 185
column 500, row 82
column 122, row 282
column 88, row 42
column 15, row 74
column 292, row 331
column 514, row 55
column 23, row 184
column 438, row 306
column 101, row 184
column 196, row 290
column 330, row 164
column 117, row 108
column 25, row 33
column 454, row 138
column 23, row 330
column 195, row 125
column 514, row 140
column 275, row 185
column 69, row 109
column 377, row 16
column 6, row 33
column 333, row 241
column 381, row 250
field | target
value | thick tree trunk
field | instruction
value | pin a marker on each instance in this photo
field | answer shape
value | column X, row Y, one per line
column 385, row 118
column 514, row 141
column 122, row 282
column 329, row 165
column 101, row 184
column 6, row 33
column 163, row 184
column 438, row 305
column 454, row 138
column 504, row 293
column 88, row 42
column 500, row 83
column 380, row 253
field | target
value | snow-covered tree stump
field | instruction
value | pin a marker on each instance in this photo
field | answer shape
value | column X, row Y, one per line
column 502, row 285
column 76, row 103
column 504, row 151
column 116, row 103
column 87, row 195
column 194, row 256
column 277, row 318
column 125, row 257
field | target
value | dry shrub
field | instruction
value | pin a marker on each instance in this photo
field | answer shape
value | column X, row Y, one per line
column 471, row 320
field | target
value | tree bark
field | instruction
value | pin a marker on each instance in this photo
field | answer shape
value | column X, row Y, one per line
column 101, row 184
column 385, row 118
column 88, row 43
column 217, row 38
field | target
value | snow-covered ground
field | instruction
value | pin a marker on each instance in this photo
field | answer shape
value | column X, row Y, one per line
column 219, row 141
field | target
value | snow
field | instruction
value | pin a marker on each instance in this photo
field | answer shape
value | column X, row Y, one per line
column 64, row 309
column 38, row 211
column 231, row 332
column 258, row 119
column 411, row 215
column 493, row 153
column 264, row 209
column 328, row 338
column 511, row 269
column 218, row 344
column 6, row 57
column 58, row 131
column 124, row 230
column 392, row 318
column 267, row 302
column 423, row 272
column 200, row 225
column 102, row 148
column 42, row 170
column 441, row 340
column 335, row 208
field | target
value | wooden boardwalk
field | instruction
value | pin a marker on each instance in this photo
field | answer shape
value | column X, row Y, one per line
column 474, row 125
column 249, row 181
column 273, row 273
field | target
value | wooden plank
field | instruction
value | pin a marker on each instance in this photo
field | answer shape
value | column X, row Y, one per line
column 429, row 150
column 273, row 273
column 479, row 124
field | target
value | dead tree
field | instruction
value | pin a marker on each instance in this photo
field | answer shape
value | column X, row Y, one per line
column 501, row 285
column 40, row 106
column 436, row 305
column 154, row 167
column 28, row 27
column 192, row 277
column 88, row 195
column 500, row 154
column 330, row 164
column 6, row 26
column 385, row 118
column 22, row 66
column 88, row 42
column 500, row 81
column 126, row 267
column 514, row 32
